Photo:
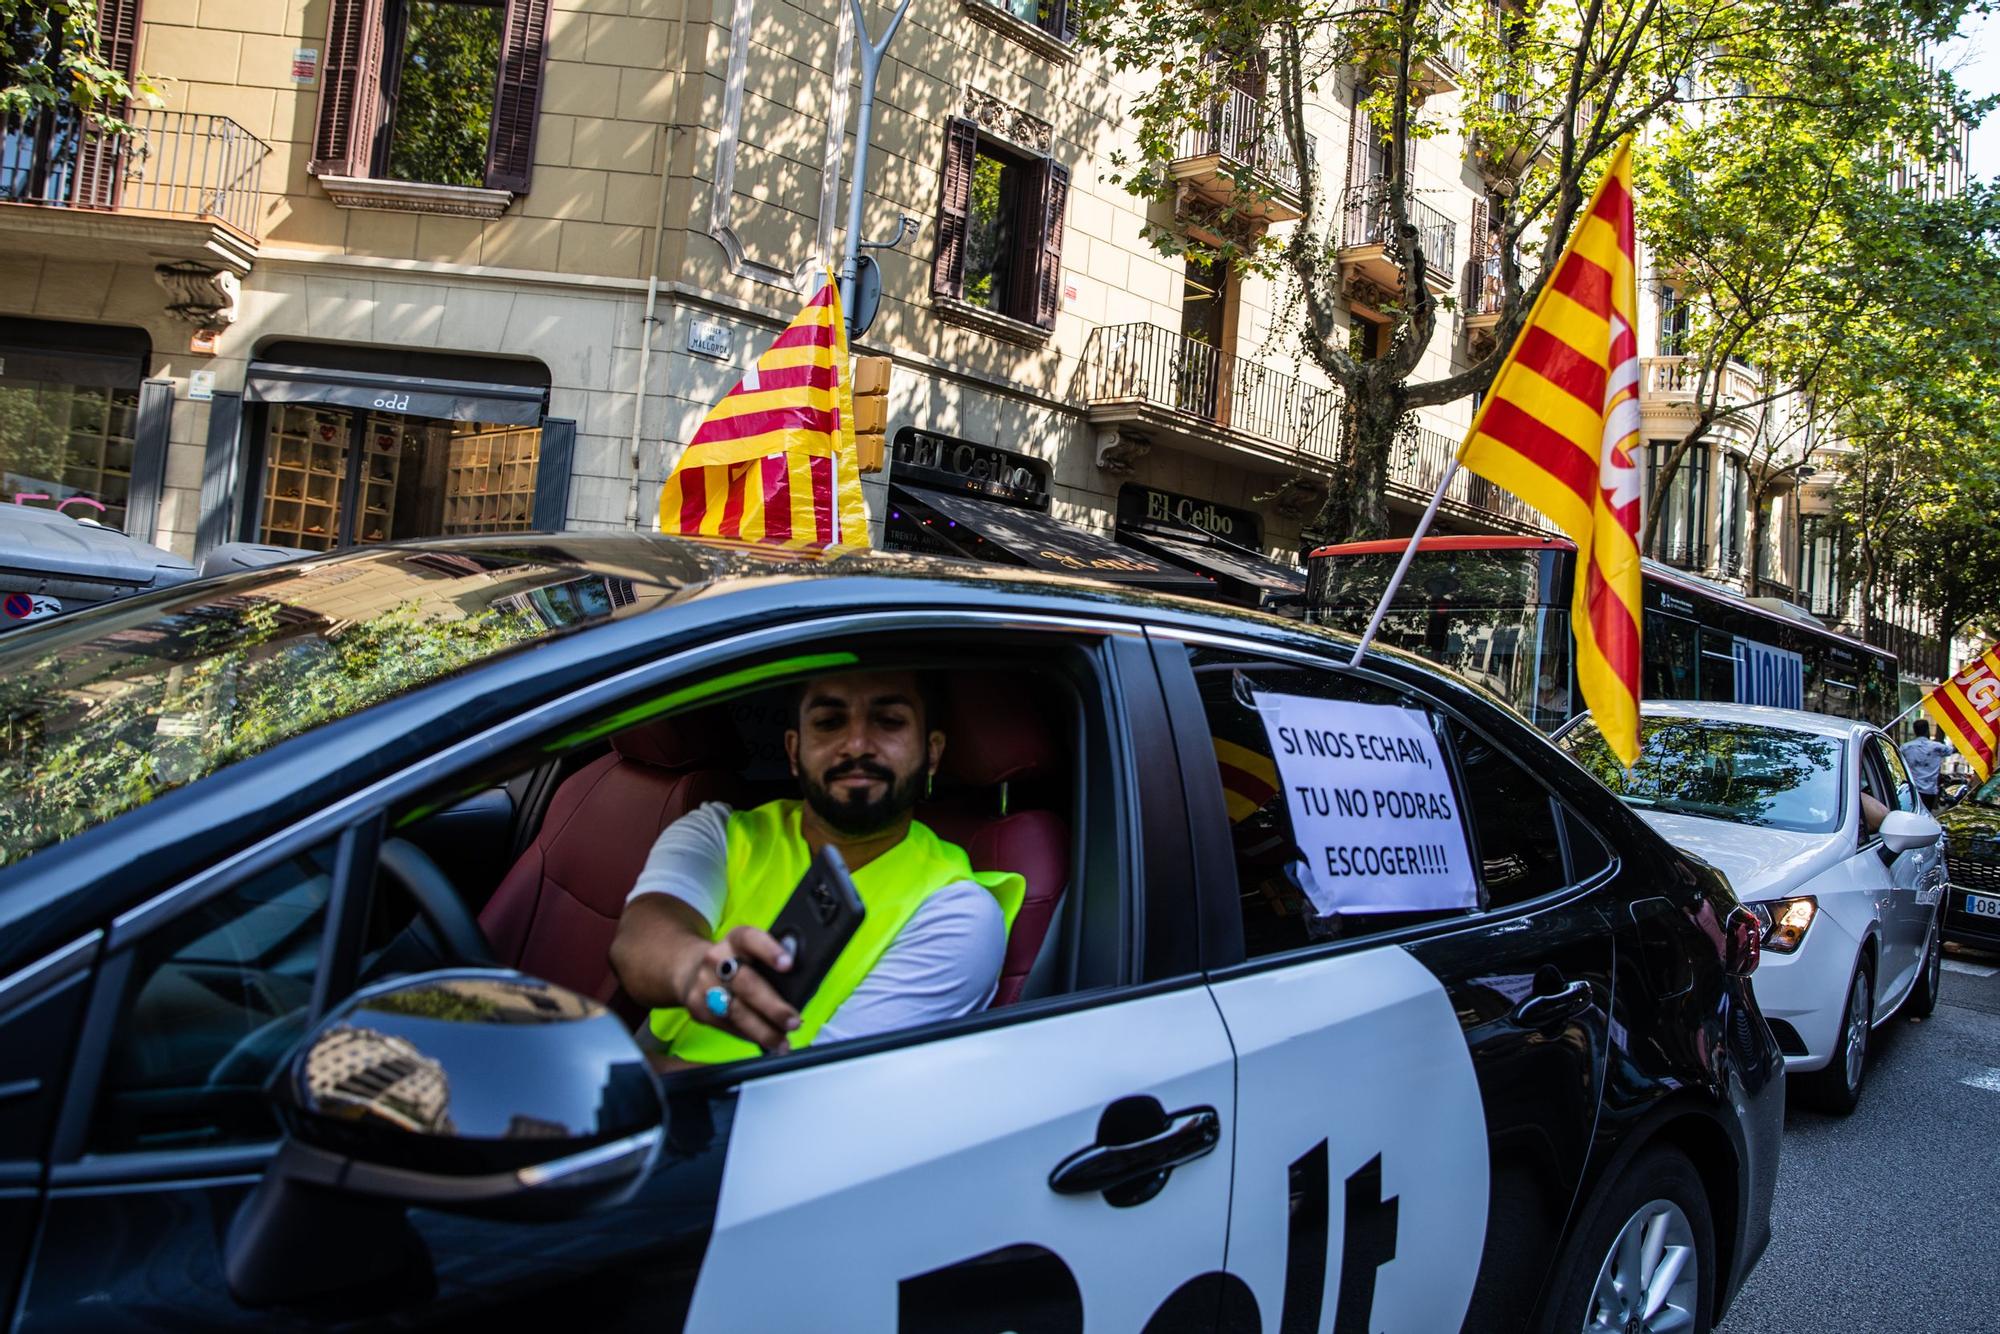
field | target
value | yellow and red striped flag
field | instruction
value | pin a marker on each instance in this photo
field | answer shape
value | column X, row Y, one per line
column 1967, row 709
column 1560, row 428
column 774, row 461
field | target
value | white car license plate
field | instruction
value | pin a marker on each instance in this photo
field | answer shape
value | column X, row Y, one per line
column 1979, row 905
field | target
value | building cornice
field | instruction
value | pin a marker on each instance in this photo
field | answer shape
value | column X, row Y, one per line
column 458, row 201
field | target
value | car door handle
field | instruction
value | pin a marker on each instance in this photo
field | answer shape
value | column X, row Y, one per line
column 1134, row 1172
column 1553, row 1008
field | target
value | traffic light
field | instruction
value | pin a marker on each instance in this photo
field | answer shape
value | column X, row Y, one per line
column 871, row 409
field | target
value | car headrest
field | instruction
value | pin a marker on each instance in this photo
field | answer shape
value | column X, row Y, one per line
column 995, row 731
column 699, row 740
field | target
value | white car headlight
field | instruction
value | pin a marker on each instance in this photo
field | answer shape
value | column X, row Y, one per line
column 1784, row 921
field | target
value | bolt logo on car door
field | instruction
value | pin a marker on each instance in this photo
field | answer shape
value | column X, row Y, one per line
column 909, row 1190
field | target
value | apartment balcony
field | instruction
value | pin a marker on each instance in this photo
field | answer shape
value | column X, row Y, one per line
column 181, row 187
column 1241, row 144
column 1145, row 385
column 1440, row 71
column 1419, row 457
column 1669, row 385
column 1369, row 260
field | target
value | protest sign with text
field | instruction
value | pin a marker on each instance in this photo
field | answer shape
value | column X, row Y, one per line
column 1372, row 806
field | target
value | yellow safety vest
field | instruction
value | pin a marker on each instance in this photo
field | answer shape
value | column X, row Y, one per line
column 768, row 857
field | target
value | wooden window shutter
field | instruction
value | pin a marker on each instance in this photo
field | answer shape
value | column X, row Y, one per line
column 1360, row 141
column 350, row 90
column 1054, row 199
column 1475, row 272
column 961, row 146
column 517, row 102
column 1069, row 24
column 100, row 163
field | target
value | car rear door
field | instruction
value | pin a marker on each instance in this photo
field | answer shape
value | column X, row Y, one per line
column 1417, row 1089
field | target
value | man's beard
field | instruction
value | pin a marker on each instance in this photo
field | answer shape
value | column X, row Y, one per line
column 855, row 815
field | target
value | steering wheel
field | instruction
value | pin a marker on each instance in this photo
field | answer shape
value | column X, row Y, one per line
column 445, row 928
column 438, row 902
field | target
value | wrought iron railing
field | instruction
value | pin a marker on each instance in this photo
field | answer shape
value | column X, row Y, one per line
column 1242, row 130
column 172, row 163
column 1420, row 456
column 1452, row 55
column 1146, row 364
column 1367, row 222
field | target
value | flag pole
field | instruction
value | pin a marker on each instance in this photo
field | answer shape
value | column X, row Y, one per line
column 1403, row 566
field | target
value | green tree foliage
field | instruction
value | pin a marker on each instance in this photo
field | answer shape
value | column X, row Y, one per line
column 1787, row 222
column 1547, row 93
column 93, row 730
column 49, row 57
column 444, row 97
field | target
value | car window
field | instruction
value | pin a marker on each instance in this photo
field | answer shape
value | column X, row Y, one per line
column 107, row 712
column 214, row 1001
column 1513, row 819
column 1899, row 775
column 1739, row 772
column 1362, row 828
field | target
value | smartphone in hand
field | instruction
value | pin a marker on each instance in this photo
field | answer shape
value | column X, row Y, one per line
column 813, row 927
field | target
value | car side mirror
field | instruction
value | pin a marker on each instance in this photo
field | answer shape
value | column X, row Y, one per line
column 479, row 1091
column 1906, row 831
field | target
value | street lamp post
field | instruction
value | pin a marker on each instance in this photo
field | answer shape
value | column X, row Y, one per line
column 871, row 65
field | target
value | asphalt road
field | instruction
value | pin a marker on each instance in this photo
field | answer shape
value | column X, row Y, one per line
column 1889, row 1219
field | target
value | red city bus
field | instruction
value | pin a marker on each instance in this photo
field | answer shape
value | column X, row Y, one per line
column 1496, row 609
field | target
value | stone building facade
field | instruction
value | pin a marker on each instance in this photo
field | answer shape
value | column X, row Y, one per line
column 271, row 318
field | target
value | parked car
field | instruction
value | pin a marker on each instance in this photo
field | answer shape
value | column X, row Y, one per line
column 305, row 1013
column 1821, row 833
column 51, row 562
column 1972, row 845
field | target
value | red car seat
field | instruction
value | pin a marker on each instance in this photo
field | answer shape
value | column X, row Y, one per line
column 997, row 738
column 556, row 911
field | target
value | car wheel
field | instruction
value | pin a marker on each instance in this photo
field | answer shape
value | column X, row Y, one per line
column 1837, row 1088
column 1643, row 1258
column 1923, row 1000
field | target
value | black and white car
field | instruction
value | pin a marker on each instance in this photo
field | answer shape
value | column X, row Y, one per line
column 1341, row 1000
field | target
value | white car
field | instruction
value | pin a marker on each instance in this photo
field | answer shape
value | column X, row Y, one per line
column 1816, row 824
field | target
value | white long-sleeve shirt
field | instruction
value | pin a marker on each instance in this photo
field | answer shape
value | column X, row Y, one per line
column 943, row 964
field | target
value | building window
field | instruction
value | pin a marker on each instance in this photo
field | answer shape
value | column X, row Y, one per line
column 1681, row 537
column 444, row 92
column 1674, row 323
column 1732, row 512
column 441, row 110
column 1057, row 18
column 1000, row 228
column 68, row 447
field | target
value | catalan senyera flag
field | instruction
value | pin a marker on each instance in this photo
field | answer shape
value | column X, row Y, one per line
column 1967, row 709
column 774, row 461
column 1560, row 429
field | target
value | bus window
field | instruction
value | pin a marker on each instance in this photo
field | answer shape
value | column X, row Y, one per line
column 1670, row 657
column 1718, row 665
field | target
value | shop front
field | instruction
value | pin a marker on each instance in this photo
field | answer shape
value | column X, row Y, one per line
column 81, row 428
column 350, row 446
column 952, row 497
column 1218, row 542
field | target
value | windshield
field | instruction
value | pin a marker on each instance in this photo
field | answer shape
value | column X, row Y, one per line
column 125, row 703
column 1988, row 793
column 1723, row 771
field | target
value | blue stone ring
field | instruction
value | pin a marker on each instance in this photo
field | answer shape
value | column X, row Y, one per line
column 717, row 1000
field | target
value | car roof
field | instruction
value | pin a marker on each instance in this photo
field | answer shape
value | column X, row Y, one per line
column 713, row 588
column 1758, row 715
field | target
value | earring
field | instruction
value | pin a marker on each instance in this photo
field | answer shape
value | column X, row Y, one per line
column 930, row 782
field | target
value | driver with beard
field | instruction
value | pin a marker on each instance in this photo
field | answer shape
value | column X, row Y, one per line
column 864, row 748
